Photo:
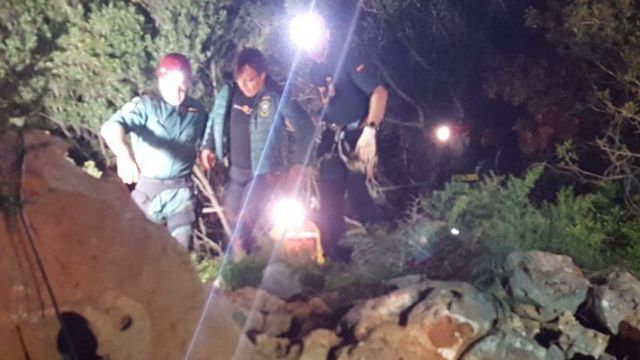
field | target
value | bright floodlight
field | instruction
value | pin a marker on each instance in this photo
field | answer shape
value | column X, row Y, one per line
column 443, row 133
column 455, row 232
column 288, row 213
column 306, row 30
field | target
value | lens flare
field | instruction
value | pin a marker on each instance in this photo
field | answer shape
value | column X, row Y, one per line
column 288, row 213
column 306, row 30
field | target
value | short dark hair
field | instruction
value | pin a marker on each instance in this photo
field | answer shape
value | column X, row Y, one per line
column 253, row 58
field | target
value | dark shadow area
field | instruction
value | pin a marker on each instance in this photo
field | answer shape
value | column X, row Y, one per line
column 79, row 342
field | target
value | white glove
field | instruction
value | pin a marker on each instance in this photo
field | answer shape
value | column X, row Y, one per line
column 366, row 150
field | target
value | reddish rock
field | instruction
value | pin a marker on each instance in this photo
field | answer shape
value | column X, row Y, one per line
column 110, row 270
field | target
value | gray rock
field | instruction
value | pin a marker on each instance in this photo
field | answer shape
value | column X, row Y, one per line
column 406, row 281
column 258, row 311
column 372, row 313
column 576, row 339
column 280, row 281
column 606, row 356
column 437, row 320
column 509, row 345
column 276, row 348
column 318, row 344
column 549, row 283
column 618, row 300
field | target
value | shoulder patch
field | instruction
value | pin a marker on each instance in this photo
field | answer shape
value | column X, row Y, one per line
column 360, row 68
column 264, row 108
column 131, row 105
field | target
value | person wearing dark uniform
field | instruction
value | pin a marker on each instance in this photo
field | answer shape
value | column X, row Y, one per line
column 250, row 119
column 354, row 99
column 165, row 131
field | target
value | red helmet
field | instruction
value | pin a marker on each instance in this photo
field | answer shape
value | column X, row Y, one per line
column 174, row 62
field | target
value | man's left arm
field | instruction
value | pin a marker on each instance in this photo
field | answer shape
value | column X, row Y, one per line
column 377, row 106
column 366, row 77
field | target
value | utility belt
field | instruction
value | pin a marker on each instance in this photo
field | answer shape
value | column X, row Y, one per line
column 339, row 140
column 148, row 188
column 333, row 134
column 153, row 187
column 326, row 125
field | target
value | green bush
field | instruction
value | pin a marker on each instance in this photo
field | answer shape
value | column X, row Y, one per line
column 70, row 65
column 246, row 272
column 206, row 268
column 497, row 216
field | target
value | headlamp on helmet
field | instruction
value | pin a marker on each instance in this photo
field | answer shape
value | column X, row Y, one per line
column 307, row 30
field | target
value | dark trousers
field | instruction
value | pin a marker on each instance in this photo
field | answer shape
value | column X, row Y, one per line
column 245, row 200
column 336, row 180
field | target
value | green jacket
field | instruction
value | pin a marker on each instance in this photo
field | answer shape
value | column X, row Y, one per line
column 164, row 138
column 273, row 115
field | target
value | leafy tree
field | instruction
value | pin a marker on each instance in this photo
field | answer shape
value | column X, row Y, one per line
column 74, row 63
column 547, row 89
column 99, row 63
column 28, row 31
column 210, row 32
column 603, row 38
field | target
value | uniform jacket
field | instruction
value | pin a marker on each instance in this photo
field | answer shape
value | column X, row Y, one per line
column 273, row 114
column 164, row 138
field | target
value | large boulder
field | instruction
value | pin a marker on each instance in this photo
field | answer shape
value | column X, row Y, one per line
column 84, row 271
column 436, row 320
column 544, row 285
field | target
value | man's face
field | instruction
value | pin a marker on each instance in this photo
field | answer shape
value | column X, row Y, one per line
column 249, row 81
column 173, row 87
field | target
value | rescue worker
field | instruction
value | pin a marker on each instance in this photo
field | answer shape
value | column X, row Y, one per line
column 165, row 131
column 355, row 100
column 250, row 118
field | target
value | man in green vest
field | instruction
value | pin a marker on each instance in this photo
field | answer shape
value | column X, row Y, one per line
column 251, row 118
column 165, row 131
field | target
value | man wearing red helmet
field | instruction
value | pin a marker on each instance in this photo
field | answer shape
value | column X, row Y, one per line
column 165, row 130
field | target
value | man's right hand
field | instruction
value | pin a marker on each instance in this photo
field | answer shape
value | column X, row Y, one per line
column 128, row 169
column 207, row 159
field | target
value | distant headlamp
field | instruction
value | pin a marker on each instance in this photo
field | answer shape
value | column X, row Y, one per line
column 306, row 30
column 443, row 133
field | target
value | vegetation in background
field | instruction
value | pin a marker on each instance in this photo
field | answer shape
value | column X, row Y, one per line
column 562, row 71
column 71, row 64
